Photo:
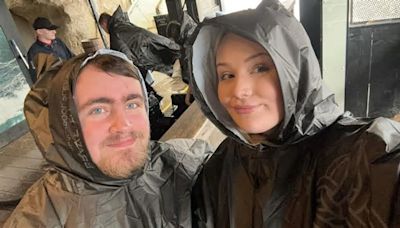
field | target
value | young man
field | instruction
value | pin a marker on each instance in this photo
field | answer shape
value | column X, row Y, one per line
column 90, row 120
column 47, row 43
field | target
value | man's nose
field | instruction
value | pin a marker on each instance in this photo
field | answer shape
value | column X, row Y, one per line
column 120, row 122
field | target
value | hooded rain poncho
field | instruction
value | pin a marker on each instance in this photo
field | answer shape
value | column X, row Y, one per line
column 323, row 169
column 75, row 193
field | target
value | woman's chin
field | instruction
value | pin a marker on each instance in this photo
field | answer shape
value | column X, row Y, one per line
column 254, row 129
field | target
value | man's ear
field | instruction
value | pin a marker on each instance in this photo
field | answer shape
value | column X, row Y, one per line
column 104, row 26
column 39, row 31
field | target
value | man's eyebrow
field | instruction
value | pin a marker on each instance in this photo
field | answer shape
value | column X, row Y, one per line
column 105, row 100
column 100, row 100
column 133, row 96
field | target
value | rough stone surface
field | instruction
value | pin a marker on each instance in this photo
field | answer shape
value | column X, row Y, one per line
column 74, row 17
column 77, row 22
column 397, row 117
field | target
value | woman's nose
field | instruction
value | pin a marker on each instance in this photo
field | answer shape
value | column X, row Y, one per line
column 242, row 87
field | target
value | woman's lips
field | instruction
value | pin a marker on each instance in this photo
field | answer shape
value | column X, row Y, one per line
column 244, row 109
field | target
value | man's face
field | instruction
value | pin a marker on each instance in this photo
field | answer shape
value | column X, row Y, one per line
column 46, row 34
column 114, row 121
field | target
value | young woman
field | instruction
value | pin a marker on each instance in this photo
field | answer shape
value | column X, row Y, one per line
column 291, row 158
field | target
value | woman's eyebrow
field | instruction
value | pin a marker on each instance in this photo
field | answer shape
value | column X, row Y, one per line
column 221, row 64
column 257, row 55
column 248, row 58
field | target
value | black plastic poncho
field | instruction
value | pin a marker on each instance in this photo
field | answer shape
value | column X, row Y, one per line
column 75, row 193
column 323, row 169
column 147, row 50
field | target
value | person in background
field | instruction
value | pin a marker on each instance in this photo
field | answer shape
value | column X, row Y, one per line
column 149, row 52
column 90, row 120
column 291, row 158
column 47, row 43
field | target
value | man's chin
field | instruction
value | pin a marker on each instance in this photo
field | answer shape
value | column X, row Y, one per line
column 124, row 162
column 124, row 169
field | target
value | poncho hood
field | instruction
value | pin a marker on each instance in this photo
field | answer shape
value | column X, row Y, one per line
column 119, row 16
column 309, row 106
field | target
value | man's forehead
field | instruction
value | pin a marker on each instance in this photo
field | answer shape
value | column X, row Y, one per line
column 93, row 72
column 93, row 81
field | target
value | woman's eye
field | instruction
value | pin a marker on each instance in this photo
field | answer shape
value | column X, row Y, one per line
column 225, row 76
column 260, row 68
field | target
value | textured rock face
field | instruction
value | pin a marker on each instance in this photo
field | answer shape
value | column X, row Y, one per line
column 74, row 17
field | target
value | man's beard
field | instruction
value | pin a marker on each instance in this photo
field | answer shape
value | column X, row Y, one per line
column 122, row 163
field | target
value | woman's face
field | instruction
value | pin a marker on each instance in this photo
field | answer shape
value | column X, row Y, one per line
column 248, row 86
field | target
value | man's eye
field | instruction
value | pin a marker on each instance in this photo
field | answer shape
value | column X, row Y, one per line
column 96, row 111
column 132, row 105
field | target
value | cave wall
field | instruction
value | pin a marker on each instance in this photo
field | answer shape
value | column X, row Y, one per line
column 25, row 30
column 77, row 22
column 74, row 17
column 142, row 13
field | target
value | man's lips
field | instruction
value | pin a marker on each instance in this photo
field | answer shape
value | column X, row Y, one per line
column 244, row 109
column 122, row 143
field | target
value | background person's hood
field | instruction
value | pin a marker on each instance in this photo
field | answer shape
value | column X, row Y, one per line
column 309, row 105
column 119, row 15
column 147, row 50
column 53, row 120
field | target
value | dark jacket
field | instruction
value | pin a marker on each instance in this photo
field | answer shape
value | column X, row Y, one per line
column 187, row 27
column 57, row 49
column 147, row 50
column 75, row 193
column 323, row 169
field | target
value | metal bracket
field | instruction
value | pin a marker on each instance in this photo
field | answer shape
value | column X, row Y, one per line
column 19, row 53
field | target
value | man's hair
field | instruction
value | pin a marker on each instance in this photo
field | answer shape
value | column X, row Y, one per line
column 104, row 18
column 115, row 65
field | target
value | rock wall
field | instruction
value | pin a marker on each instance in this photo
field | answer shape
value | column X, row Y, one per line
column 26, row 32
column 74, row 17
column 141, row 13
